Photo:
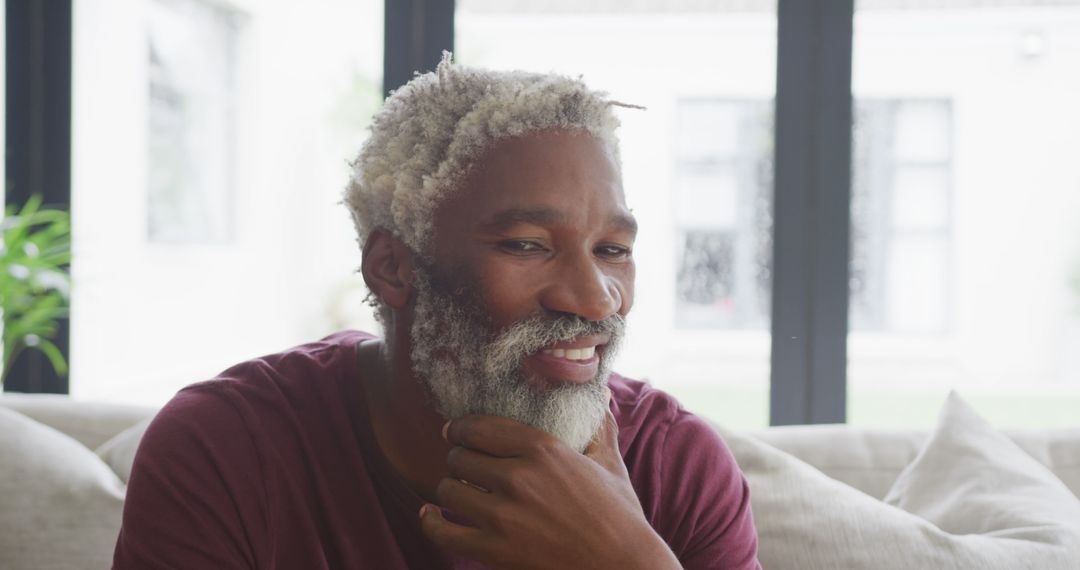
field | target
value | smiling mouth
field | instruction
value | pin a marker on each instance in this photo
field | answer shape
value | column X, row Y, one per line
column 585, row 353
column 569, row 362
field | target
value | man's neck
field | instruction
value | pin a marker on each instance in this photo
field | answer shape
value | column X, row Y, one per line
column 407, row 430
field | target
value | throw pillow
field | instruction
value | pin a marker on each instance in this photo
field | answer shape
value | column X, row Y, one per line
column 60, row 505
column 971, row 479
column 119, row 452
column 808, row 521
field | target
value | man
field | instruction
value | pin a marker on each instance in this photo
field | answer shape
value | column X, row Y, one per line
column 497, row 246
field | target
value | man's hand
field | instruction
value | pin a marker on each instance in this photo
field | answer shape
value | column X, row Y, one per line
column 538, row 504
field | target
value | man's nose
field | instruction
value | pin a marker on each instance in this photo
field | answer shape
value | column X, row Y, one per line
column 581, row 288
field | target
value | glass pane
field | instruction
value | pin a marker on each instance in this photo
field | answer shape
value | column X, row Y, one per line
column 706, row 130
column 192, row 70
column 920, row 198
column 965, row 250
column 917, row 270
column 210, row 148
column 707, row 198
column 697, row 169
column 706, row 278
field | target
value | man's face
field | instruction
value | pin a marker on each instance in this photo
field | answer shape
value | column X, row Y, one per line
column 532, row 276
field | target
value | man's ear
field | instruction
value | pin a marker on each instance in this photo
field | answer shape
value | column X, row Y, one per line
column 387, row 266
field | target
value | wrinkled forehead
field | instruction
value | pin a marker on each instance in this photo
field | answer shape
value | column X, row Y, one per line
column 550, row 178
column 549, row 157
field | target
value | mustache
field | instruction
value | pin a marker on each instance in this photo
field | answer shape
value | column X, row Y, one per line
column 505, row 349
column 525, row 337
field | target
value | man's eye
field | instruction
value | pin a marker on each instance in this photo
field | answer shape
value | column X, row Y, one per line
column 613, row 251
column 520, row 246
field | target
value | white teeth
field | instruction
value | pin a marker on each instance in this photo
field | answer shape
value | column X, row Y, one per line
column 571, row 353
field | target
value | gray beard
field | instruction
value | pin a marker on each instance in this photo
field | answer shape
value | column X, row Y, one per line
column 471, row 369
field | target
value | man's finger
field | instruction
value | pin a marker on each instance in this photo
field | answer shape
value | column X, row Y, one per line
column 500, row 437
column 455, row 538
column 477, row 467
column 604, row 447
column 464, row 499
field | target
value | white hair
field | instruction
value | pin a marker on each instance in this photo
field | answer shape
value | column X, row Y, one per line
column 430, row 131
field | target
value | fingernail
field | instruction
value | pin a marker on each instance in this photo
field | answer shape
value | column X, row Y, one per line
column 445, row 428
column 423, row 509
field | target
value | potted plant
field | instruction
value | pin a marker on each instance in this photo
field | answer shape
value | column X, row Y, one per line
column 35, row 251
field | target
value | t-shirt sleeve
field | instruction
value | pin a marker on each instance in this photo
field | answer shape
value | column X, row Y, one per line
column 713, row 525
column 195, row 490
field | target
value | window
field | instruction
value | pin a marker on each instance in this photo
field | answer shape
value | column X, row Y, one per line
column 901, row 216
column 211, row 146
column 965, row 217
column 965, row 262
column 192, row 89
column 723, row 213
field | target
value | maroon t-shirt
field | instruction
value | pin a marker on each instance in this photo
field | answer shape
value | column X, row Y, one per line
column 274, row 465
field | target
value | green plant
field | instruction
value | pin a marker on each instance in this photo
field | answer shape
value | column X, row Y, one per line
column 35, row 251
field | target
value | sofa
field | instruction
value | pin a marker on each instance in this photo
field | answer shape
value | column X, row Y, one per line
column 823, row 496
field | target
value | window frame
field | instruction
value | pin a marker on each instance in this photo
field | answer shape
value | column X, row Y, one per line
column 812, row 164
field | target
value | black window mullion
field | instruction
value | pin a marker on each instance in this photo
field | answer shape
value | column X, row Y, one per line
column 38, row 140
column 812, row 212
column 415, row 34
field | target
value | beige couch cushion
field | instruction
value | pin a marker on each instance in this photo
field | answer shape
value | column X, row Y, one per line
column 808, row 520
column 119, row 452
column 60, row 505
column 972, row 480
column 89, row 423
column 870, row 460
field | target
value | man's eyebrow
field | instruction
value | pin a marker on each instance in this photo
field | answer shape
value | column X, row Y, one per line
column 625, row 221
column 535, row 216
column 549, row 216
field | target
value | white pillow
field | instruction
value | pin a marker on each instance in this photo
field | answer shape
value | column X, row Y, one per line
column 60, row 505
column 119, row 452
column 970, row 479
column 807, row 521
